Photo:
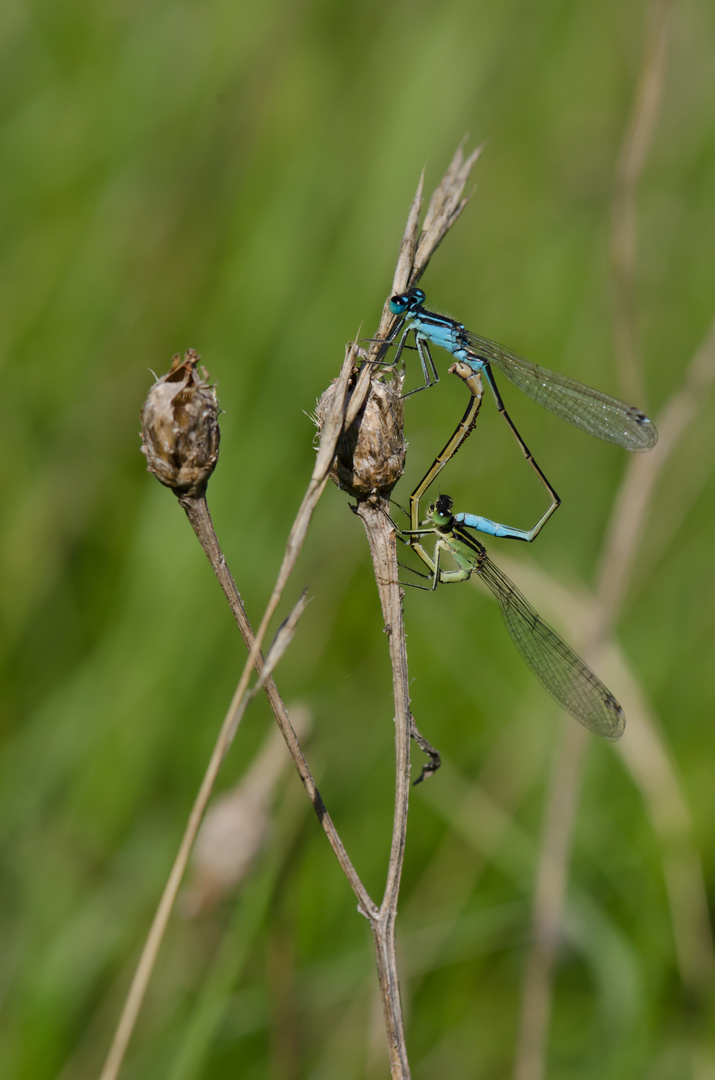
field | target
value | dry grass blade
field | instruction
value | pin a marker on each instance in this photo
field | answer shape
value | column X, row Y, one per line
column 634, row 151
column 242, row 696
column 241, row 699
column 635, row 496
column 418, row 247
column 446, row 204
column 365, row 467
column 549, row 899
column 643, row 751
column 445, row 208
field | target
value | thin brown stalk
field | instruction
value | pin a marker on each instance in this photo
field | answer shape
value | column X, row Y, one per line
column 381, row 538
column 198, row 513
column 635, row 496
column 416, row 247
column 629, row 169
column 548, row 902
column 241, row 699
column 549, row 898
column 445, row 207
column 649, row 762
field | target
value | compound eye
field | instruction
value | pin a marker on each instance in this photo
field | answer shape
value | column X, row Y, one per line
column 398, row 303
column 418, row 295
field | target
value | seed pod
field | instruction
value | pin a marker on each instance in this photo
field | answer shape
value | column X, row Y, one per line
column 370, row 455
column 180, row 432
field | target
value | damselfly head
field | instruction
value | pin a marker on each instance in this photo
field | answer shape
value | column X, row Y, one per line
column 440, row 512
column 444, row 505
column 407, row 301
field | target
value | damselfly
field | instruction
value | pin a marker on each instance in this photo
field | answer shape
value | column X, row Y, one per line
column 562, row 673
column 594, row 412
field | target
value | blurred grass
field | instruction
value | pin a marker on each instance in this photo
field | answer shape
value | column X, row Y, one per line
column 235, row 178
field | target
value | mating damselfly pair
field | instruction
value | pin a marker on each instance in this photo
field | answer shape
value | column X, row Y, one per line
column 563, row 674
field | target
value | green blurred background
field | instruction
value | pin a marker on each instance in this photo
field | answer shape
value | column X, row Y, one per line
column 235, row 178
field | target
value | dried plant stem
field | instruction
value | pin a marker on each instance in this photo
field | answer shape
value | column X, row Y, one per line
column 643, row 752
column 631, row 162
column 241, row 699
column 631, row 507
column 198, row 514
column 548, row 903
column 242, row 696
column 370, row 460
column 445, row 207
column 636, row 493
column 646, row 757
column 416, row 248
column 381, row 538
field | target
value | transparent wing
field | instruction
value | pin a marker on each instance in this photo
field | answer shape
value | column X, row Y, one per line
column 594, row 412
column 554, row 663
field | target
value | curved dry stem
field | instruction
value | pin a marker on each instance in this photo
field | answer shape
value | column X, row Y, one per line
column 635, row 496
column 629, row 169
column 241, row 699
column 198, row 513
column 240, row 702
column 445, row 207
column 643, row 750
column 626, row 525
column 416, row 248
column 548, row 902
column 381, row 538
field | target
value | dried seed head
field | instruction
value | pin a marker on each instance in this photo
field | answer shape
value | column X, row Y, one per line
column 232, row 834
column 370, row 456
column 238, row 824
column 180, row 432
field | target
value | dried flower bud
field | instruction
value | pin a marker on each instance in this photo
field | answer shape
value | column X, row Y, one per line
column 237, row 825
column 370, row 456
column 232, row 835
column 180, row 432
